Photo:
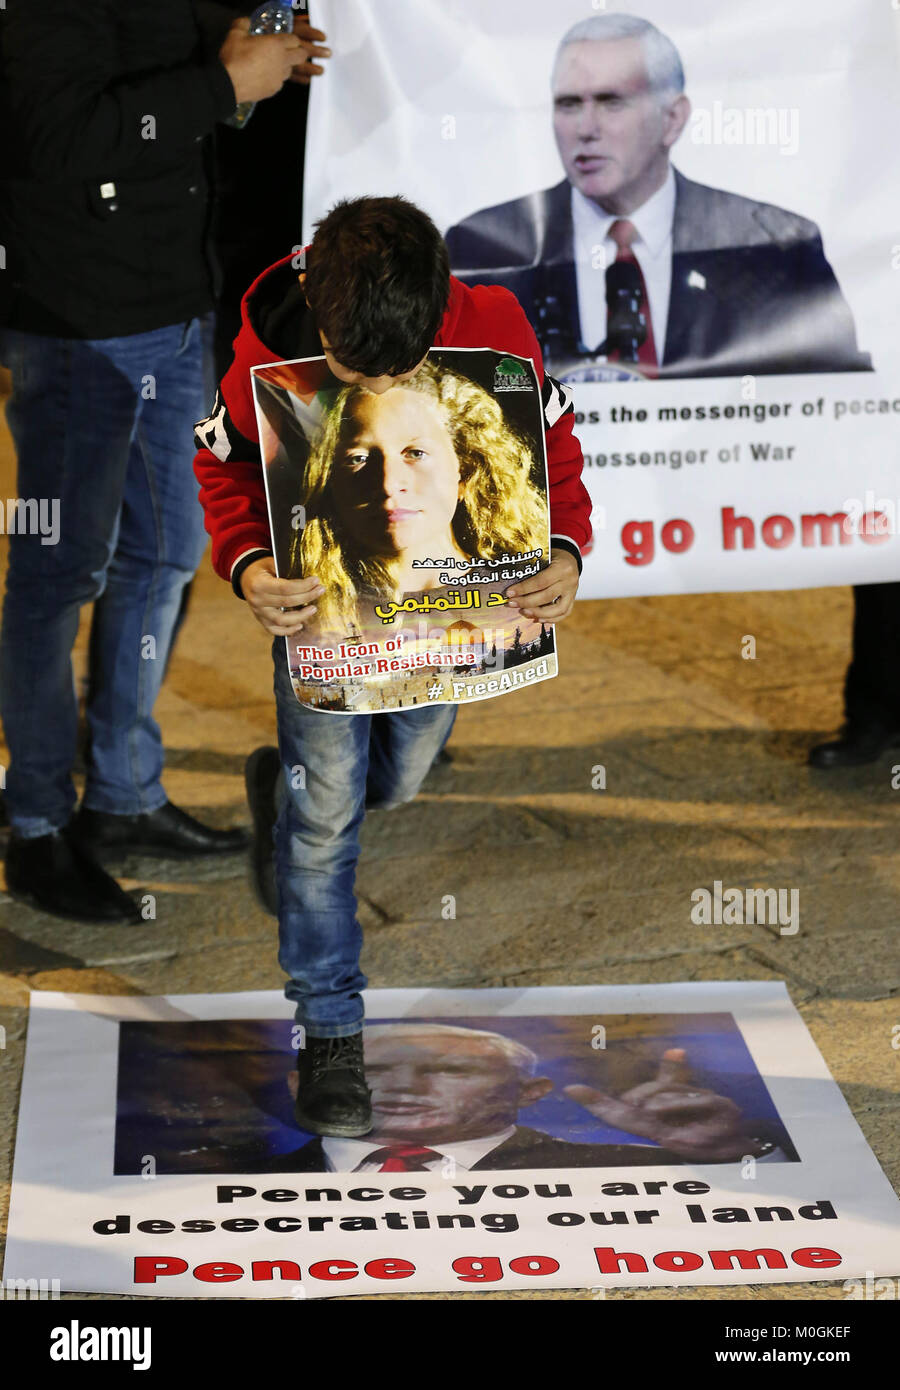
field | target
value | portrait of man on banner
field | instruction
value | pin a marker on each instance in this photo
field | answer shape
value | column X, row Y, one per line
column 627, row 268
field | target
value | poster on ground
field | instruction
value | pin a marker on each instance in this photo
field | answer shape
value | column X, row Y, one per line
column 418, row 509
column 601, row 1138
column 702, row 235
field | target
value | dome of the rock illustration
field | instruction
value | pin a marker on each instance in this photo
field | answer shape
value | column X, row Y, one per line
column 463, row 633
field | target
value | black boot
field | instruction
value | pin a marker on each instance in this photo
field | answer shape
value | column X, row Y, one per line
column 332, row 1095
column 168, row 833
column 55, row 874
column 858, row 744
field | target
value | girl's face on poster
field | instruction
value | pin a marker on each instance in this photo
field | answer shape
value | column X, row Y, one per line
column 395, row 481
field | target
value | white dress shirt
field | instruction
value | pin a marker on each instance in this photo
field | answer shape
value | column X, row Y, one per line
column 352, row 1155
column 652, row 249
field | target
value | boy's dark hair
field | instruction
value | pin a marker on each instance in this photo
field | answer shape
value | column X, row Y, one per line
column 377, row 280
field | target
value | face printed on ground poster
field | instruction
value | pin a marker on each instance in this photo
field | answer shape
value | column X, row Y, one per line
column 485, row 1094
column 418, row 509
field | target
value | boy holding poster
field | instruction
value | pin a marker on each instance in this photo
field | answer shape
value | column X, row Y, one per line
column 373, row 296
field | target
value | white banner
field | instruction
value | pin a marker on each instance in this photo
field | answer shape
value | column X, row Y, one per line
column 766, row 245
column 588, row 1137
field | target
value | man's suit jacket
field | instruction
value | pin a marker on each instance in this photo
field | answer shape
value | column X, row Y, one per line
column 752, row 292
column 527, row 1148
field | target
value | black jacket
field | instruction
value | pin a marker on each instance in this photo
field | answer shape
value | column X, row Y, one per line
column 104, row 212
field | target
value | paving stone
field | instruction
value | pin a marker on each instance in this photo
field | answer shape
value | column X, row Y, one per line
column 19, row 955
column 857, row 1040
column 840, row 960
column 228, row 969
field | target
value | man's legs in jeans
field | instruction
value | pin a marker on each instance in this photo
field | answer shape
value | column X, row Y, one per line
column 92, row 422
column 160, row 542
column 62, row 390
column 334, row 766
column 210, row 380
column 91, row 430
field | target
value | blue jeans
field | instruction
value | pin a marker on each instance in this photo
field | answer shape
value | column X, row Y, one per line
column 103, row 429
column 335, row 767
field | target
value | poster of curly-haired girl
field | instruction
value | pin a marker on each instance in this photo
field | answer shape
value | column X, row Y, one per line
column 417, row 508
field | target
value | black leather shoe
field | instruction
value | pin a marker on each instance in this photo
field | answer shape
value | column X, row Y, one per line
column 332, row 1095
column 858, row 744
column 260, row 777
column 168, row 833
column 55, row 874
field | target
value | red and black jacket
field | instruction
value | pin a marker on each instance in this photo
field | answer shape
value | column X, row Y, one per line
column 276, row 325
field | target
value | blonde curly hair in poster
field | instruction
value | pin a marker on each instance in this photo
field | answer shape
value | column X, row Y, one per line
column 499, row 511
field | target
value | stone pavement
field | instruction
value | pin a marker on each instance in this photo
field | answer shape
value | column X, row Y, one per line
column 703, row 754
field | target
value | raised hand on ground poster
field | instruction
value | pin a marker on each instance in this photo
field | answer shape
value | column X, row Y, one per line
column 674, row 1110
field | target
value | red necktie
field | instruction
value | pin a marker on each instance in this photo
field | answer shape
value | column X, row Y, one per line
column 623, row 234
column 400, row 1158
